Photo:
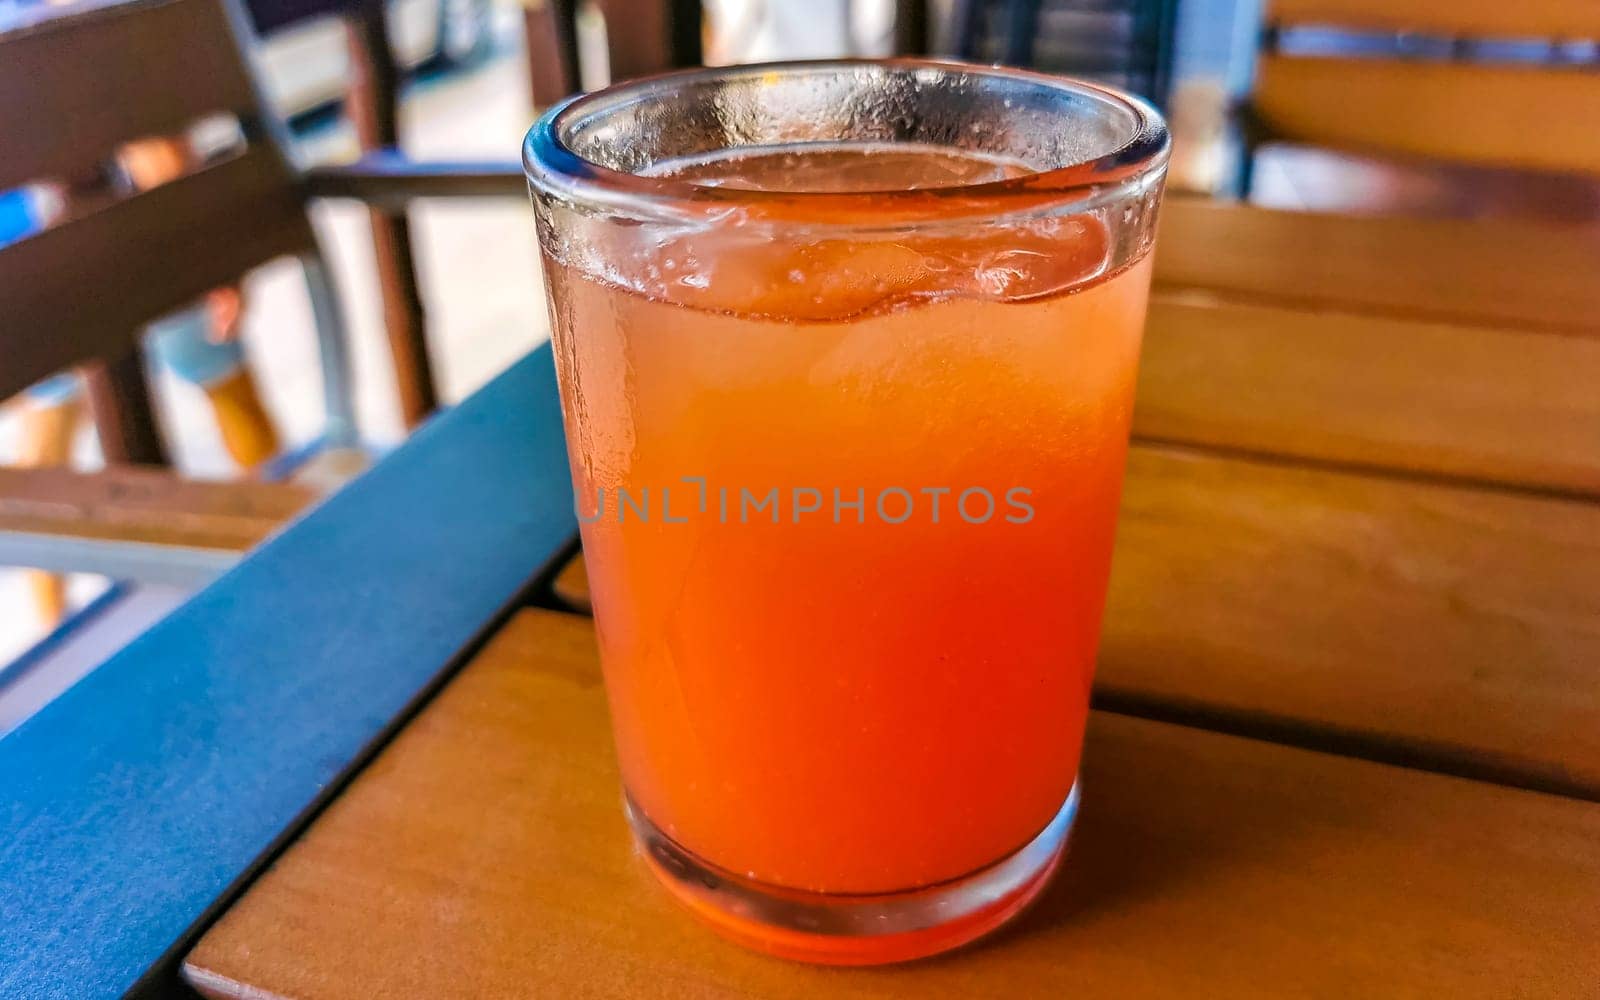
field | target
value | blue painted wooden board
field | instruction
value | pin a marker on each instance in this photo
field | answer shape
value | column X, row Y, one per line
column 131, row 804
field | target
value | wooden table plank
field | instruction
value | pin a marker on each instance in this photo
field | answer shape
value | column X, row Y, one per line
column 484, row 854
column 1509, row 272
column 1452, row 628
column 1481, row 403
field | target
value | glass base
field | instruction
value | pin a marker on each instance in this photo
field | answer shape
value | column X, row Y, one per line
column 855, row 929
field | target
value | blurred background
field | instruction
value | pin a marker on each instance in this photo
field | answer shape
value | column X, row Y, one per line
column 237, row 391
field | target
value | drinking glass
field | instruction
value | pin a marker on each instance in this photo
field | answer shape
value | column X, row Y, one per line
column 847, row 355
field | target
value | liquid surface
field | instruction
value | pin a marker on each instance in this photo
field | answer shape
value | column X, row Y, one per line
column 842, row 167
column 839, row 701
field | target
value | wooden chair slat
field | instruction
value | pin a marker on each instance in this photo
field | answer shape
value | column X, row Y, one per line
column 72, row 94
column 1554, row 19
column 123, row 412
column 648, row 36
column 1530, row 117
column 132, row 504
column 490, row 837
column 373, row 105
column 1510, row 273
column 1479, row 403
column 550, row 40
column 85, row 288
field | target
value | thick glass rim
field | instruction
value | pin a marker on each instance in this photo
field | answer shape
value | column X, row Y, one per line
column 554, row 167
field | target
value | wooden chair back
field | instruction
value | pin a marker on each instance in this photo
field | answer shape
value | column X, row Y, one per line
column 74, row 85
column 642, row 37
column 1537, row 116
column 650, row 36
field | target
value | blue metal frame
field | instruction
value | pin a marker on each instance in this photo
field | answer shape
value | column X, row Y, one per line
column 136, row 805
column 29, row 658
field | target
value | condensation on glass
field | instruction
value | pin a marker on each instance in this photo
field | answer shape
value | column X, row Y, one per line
column 847, row 354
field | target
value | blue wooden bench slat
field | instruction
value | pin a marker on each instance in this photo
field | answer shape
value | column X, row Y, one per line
column 131, row 805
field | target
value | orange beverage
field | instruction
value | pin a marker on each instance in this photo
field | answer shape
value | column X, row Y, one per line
column 848, row 483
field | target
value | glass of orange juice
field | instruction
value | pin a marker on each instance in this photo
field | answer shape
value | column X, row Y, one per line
column 847, row 356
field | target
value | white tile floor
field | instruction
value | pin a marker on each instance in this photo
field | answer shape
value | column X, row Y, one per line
column 481, row 284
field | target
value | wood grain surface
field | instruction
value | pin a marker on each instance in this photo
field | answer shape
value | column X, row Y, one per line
column 1481, row 403
column 484, row 855
column 1452, row 627
column 97, row 279
column 131, row 504
column 1526, row 116
column 1511, row 272
column 1448, row 627
column 82, row 80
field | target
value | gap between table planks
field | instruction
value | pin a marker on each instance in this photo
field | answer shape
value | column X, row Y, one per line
column 483, row 854
column 1437, row 626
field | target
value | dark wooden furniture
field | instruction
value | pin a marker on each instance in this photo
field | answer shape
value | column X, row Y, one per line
column 373, row 105
column 648, row 36
column 913, row 28
column 79, row 292
column 550, row 37
column 642, row 37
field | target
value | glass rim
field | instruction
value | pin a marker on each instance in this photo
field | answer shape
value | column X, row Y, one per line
column 551, row 165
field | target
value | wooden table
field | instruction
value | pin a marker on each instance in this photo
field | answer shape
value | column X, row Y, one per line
column 1360, row 531
column 1347, row 737
column 484, row 854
